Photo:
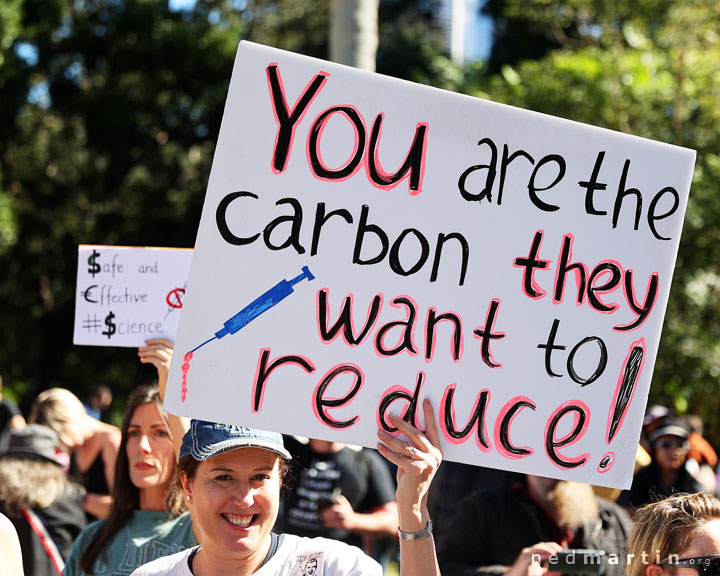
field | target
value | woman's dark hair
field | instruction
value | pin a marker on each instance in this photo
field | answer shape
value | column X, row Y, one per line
column 126, row 496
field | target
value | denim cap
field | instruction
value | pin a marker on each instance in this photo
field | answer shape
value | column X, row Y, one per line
column 208, row 439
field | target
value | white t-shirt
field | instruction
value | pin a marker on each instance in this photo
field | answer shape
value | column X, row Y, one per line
column 296, row 556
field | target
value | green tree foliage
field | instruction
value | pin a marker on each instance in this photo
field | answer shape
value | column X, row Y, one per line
column 109, row 111
column 10, row 26
column 108, row 119
column 108, row 137
column 648, row 68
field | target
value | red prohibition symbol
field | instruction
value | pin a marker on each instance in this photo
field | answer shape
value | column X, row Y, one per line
column 175, row 297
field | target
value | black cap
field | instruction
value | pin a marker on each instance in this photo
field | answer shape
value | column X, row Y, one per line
column 671, row 426
column 33, row 441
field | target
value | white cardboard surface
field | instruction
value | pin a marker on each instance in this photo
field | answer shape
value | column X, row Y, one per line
column 576, row 415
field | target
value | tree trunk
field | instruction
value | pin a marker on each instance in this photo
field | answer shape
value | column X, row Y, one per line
column 354, row 33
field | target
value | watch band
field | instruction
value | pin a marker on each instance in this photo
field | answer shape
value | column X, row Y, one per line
column 419, row 535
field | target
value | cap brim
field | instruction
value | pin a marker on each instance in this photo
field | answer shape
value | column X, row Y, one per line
column 29, row 456
column 670, row 431
column 236, row 443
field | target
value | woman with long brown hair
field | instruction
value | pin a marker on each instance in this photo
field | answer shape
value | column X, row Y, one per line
column 148, row 518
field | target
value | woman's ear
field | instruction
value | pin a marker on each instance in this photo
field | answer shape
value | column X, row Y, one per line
column 653, row 570
column 185, row 482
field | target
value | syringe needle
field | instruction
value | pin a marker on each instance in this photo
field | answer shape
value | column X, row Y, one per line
column 203, row 344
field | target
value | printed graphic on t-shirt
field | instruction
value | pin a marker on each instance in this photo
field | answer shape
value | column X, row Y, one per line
column 134, row 556
column 307, row 564
column 314, row 485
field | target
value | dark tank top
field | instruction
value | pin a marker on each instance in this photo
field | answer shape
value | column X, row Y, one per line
column 93, row 479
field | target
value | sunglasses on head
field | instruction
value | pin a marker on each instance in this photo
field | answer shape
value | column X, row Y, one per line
column 671, row 444
column 705, row 565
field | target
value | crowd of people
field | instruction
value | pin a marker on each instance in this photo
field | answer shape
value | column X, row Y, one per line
column 163, row 495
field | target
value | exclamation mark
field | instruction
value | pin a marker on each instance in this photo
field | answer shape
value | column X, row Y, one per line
column 624, row 392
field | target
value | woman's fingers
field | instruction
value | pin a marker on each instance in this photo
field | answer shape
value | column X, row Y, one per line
column 542, row 549
column 159, row 353
column 419, row 448
column 153, row 355
column 399, row 447
column 427, row 442
column 539, row 552
column 160, row 348
column 415, row 436
column 431, row 429
column 163, row 342
column 157, row 345
column 395, row 443
column 395, row 457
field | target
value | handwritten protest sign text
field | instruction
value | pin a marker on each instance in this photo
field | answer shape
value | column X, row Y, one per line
column 366, row 243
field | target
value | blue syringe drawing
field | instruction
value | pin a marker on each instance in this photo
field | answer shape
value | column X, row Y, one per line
column 262, row 303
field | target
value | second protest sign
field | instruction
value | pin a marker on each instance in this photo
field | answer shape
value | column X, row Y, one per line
column 127, row 295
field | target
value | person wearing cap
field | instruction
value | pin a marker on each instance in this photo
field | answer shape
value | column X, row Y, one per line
column 340, row 492
column 667, row 473
column 231, row 477
column 44, row 507
column 90, row 445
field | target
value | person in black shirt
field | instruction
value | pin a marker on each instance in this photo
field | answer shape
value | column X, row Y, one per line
column 667, row 473
column 502, row 531
column 339, row 492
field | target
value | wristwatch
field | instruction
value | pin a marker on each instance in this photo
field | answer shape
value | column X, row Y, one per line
column 419, row 535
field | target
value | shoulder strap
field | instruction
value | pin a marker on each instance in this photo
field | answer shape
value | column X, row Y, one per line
column 48, row 543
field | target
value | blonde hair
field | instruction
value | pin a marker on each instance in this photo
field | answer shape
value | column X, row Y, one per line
column 33, row 484
column 665, row 528
column 60, row 410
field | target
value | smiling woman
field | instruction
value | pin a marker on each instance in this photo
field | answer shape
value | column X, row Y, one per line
column 236, row 500
column 231, row 477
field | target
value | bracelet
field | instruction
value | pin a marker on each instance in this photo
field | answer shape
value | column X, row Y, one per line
column 419, row 535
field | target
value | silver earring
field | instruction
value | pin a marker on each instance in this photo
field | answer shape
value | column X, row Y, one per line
column 187, row 497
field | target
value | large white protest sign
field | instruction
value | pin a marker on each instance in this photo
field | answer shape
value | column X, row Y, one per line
column 126, row 295
column 367, row 242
